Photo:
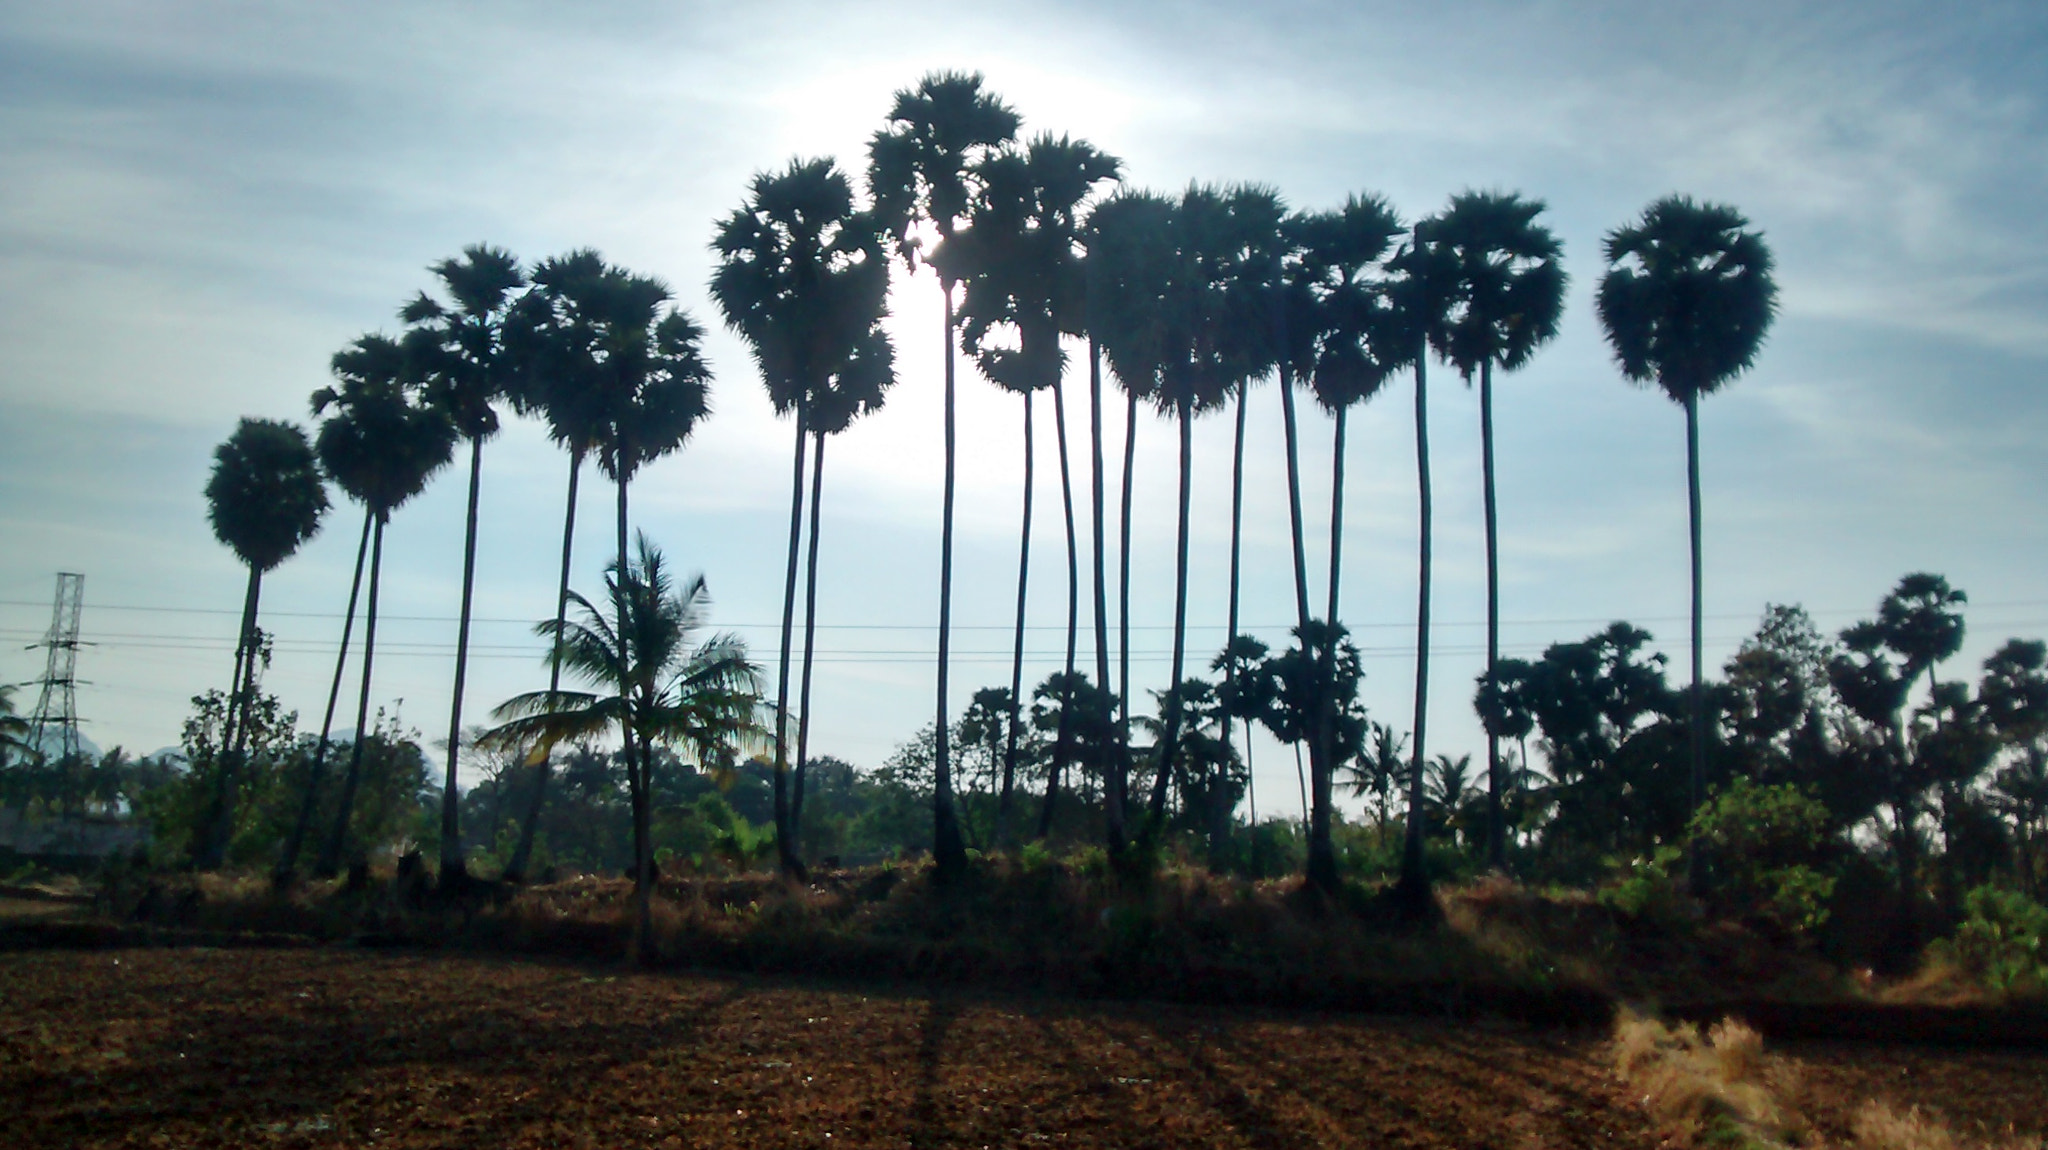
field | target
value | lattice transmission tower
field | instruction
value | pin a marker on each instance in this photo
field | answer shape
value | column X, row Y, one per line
column 58, row 705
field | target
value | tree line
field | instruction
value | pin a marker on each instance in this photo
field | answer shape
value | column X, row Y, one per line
column 1185, row 302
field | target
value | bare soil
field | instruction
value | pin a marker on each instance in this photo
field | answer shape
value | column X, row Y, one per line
column 340, row 1046
column 1989, row 1097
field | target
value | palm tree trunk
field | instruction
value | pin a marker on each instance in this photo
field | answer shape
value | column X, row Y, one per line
column 785, row 847
column 1236, row 554
column 337, row 839
column 1414, row 884
column 637, row 764
column 1123, row 608
column 1003, row 800
column 1180, row 621
column 1112, row 787
column 1496, row 829
column 209, row 848
column 1063, row 738
column 1321, row 869
column 803, row 702
column 523, row 853
column 1696, row 874
column 1293, row 492
column 452, row 870
column 289, row 861
column 949, row 853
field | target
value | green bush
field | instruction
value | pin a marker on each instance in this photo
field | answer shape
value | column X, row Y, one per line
column 2001, row 941
column 1768, row 847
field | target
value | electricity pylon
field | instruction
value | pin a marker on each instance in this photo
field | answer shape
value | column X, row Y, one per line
column 57, row 707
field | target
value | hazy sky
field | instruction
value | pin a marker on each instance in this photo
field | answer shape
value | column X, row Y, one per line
column 201, row 202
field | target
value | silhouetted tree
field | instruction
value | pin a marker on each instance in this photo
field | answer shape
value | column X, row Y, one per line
column 1510, row 294
column 265, row 499
column 918, row 172
column 802, row 277
column 1686, row 301
column 459, row 347
column 381, row 446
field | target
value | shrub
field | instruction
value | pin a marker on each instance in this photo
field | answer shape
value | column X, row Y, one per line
column 1767, row 846
column 2000, row 942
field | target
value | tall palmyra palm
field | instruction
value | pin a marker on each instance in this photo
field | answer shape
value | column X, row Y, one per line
column 1686, row 301
column 1358, row 345
column 264, row 498
column 1025, row 286
column 653, row 389
column 555, row 339
column 803, row 278
column 1212, row 335
column 381, row 446
column 655, row 687
column 855, row 390
column 460, row 348
column 1510, row 288
column 1423, row 292
column 919, row 173
column 1129, row 238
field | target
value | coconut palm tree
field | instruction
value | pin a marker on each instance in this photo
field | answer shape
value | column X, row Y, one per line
column 1129, row 239
column 264, row 498
column 1510, row 287
column 460, row 347
column 1686, row 301
column 381, row 446
column 1025, row 286
column 919, row 173
column 803, row 278
column 654, row 687
column 1423, row 292
column 555, row 340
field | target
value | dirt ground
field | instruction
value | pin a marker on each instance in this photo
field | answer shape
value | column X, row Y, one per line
column 340, row 1047
column 336, row 1046
column 1989, row 1097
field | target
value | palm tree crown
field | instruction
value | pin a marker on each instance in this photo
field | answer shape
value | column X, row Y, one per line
column 803, row 278
column 265, row 497
column 1689, row 297
column 919, row 166
column 460, row 344
column 381, row 445
column 1510, row 283
column 655, row 682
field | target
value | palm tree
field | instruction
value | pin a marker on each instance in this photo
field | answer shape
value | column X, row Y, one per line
column 1423, row 294
column 556, row 343
column 294, row 842
column 461, row 348
column 802, row 277
column 854, row 391
column 1212, row 339
column 1686, row 301
column 264, row 499
column 13, row 728
column 918, row 172
column 1025, row 286
column 1358, row 345
column 653, row 389
column 1510, row 289
column 655, row 688
column 381, row 446
column 1129, row 238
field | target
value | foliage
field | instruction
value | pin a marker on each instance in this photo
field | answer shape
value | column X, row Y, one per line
column 1768, row 846
column 2003, row 941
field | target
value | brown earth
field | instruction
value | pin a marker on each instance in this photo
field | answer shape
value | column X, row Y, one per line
column 334, row 1046
column 1991, row 1097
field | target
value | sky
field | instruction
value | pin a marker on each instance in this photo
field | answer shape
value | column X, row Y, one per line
column 202, row 202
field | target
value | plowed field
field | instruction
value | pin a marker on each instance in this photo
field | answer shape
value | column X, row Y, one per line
column 338, row 1047
column 330, row 1047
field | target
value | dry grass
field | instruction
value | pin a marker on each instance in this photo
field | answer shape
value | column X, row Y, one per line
column 1721, row 1089
column 1712, row 1089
